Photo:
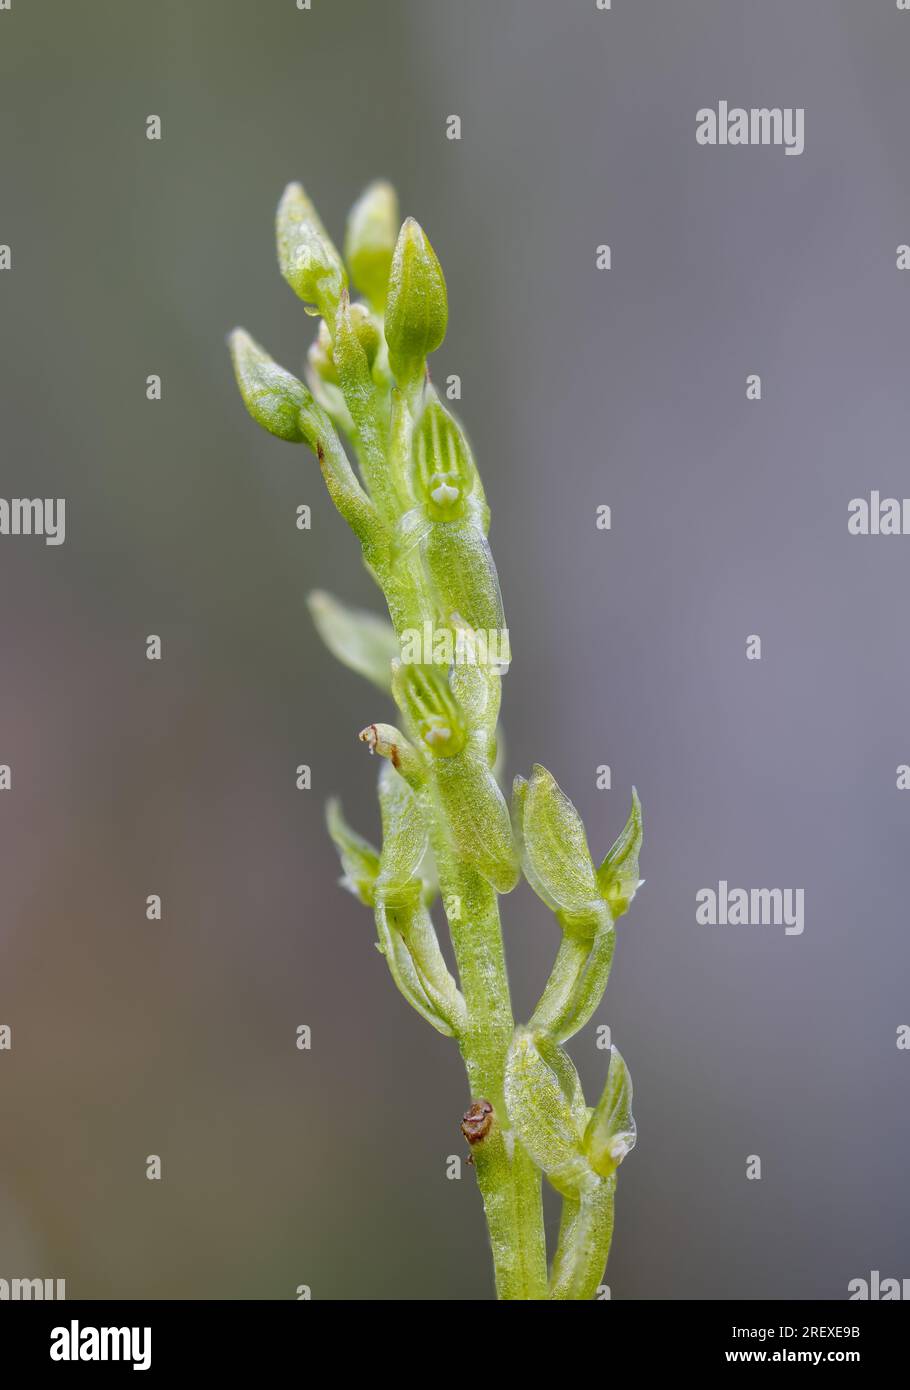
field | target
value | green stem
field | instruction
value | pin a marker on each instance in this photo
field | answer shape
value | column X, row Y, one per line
column 509, row 1182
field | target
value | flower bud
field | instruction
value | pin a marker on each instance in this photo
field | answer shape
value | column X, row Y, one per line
column 404, row 839
column 611, row 1131
column 308, row 260
column 369, row 243
column 555, row 855
column 359, row 859
column 417, row 311
column 405, row 939
column 617, row 876
column 272, row 396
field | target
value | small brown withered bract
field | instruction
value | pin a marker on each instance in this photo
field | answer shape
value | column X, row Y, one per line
column 477, row 1122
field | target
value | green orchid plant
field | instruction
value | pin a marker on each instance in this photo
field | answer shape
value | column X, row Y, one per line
column 416, row 504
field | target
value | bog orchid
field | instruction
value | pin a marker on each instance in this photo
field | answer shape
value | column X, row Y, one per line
column 414, row 499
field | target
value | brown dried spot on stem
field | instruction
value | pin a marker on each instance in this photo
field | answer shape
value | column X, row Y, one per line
column 477, row 1121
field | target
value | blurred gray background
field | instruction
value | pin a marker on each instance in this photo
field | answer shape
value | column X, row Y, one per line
column 579, row 388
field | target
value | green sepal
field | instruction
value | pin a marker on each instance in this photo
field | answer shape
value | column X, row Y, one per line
column 419, row 937
column 369, row 244
column 306, row 256
column 359, row 859
column 617, row 876
column 611, row 1131
column 417, row 310
column 361, row 641
column 404, row 923
column 405, row 838
column 546, row 1108
column 392, row 927
column 554, row 853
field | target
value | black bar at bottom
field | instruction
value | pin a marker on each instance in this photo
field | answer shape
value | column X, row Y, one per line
column 105, row 1338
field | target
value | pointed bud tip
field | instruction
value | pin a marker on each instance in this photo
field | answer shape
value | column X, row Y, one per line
column 417, row 311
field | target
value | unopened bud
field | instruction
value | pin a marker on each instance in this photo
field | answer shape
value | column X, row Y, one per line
column 404, row 840
column 306, row 256
column 273, row 397
column 417, row 311
column 369, row 243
